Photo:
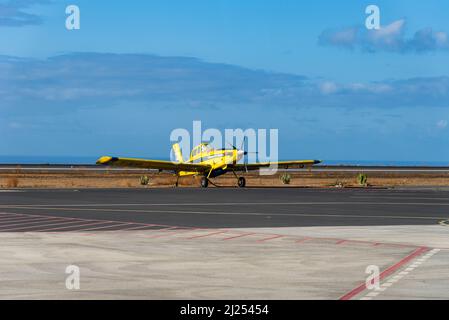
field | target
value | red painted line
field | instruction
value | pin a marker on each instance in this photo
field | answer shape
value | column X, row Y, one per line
column 12, row 217
column 32, row 217
column 168, row 232
column 113, row 221
column 387, row 272
column 105, row 221
column 360, row 241
column 270, row 238
column 303, row 240
column 341, row 241
column 329, row 239
column 5, row 223
column 51, row 217
column 138, row 227
column 11, row 214
column 143, row 225
column 206, row 235
column 407, row 259
column 74, row 226
column 239, row 236
column 8, row 219
column 36, row 227
column 25, row 223
column 395, row 245
column 105, row 227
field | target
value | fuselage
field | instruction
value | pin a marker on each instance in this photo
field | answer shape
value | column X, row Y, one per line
column 217, row 159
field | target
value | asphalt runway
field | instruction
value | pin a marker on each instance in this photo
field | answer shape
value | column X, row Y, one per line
column 141, row 209
column 218, row 243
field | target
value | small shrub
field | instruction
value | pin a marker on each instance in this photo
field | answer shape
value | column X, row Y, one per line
column 144, row 180
column 285, row 178
column 362, row 179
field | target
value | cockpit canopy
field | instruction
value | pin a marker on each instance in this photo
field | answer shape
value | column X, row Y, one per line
column 202, row 148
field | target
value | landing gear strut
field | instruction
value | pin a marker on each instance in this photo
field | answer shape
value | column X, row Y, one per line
column 204, row 182
column 241, row 182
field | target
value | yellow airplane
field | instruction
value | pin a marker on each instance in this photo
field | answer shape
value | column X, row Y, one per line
column 205, row 161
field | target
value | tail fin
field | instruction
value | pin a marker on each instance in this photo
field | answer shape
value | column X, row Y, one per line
column 178, row 153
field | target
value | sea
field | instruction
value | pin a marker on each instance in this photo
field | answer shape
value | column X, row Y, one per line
column 86, row 160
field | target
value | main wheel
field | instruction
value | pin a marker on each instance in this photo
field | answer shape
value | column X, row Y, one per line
column 242, row 182
column 204, row 182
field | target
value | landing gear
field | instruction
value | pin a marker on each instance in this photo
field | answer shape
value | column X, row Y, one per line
column 204, row 182
column 242, row 182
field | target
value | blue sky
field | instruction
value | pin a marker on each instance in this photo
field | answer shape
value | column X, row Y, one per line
column 138, row 69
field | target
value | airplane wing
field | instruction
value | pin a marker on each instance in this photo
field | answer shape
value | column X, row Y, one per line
column 152, row 164
column 280, row 165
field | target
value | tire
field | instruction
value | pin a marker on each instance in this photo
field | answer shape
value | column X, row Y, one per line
column 242, row 182
column 204, row 182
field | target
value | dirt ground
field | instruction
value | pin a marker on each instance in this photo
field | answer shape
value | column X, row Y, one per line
column 111, row 179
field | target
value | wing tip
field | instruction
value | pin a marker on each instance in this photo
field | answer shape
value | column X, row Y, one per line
column 105, row 160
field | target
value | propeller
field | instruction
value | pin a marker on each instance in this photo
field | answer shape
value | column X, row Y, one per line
column 233, row 147
column 245, row 159
column 241, row 148
column 245, row 162
column 243, row 143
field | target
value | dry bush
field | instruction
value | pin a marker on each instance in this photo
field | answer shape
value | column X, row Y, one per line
column 285, row 178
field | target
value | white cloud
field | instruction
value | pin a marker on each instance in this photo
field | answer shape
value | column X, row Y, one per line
column 394, row 29
column 391, row 38
column 442, row 124
column 91, row 79
column 328, row 87
column 13, row 13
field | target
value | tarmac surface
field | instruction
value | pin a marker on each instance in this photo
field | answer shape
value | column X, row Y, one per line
column 226, row 207
column 226, row 243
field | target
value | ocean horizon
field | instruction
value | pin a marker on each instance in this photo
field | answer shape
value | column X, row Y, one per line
column 87, row 160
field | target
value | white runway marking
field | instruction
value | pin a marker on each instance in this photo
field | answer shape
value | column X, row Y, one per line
column 223, row 213
column 211, row 204
column 400, row 275
column 397, row 197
